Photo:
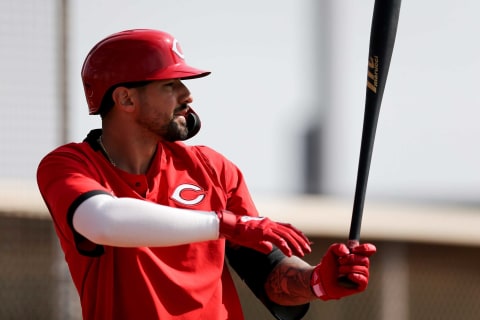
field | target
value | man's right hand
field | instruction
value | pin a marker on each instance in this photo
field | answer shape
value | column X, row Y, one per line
column 261, row 234
column 339, row 260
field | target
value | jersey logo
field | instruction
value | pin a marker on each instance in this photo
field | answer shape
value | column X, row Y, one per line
column 188, row 194
column 177, row 49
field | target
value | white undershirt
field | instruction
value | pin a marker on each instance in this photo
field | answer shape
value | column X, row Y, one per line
column 129, row 222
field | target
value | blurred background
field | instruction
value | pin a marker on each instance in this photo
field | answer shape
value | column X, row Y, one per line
column 285, row 102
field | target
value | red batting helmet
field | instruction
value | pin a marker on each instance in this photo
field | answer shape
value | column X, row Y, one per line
column 133, row 56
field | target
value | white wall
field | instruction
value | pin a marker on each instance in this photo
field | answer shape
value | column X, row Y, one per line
column 428, row 129
column 28, row 82
column 265, row 82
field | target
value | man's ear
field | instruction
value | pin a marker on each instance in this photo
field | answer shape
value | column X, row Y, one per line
column 122, row 97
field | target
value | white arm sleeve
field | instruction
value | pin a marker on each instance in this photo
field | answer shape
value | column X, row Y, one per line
column 129, row 222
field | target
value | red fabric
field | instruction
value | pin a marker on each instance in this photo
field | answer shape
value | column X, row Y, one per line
column 181, row 282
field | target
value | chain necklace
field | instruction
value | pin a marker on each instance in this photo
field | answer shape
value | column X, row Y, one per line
column 100, row 142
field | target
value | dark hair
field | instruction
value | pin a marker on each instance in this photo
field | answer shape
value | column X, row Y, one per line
column 107, row 101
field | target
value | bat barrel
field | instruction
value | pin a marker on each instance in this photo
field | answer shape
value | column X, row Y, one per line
column 382, row 39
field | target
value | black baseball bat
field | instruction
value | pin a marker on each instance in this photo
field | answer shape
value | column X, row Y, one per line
column 382, row 39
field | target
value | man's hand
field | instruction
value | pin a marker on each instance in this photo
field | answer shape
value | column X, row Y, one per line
column 340, row 260
column 262, row 233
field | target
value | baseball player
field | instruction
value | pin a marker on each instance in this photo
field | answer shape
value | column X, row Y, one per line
column 147, row 223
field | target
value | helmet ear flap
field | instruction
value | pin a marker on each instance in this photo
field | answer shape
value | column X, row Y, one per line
column 193, row 123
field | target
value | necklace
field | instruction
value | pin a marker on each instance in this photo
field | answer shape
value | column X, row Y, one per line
column 100, row 142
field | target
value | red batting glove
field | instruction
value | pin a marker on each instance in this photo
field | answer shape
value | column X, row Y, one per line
column 261, row 234
column 339, row 260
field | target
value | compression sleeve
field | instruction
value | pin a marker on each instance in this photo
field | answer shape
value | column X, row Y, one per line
column 129, row 222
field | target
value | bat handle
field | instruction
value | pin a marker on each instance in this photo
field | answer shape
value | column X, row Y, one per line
column 343, row 280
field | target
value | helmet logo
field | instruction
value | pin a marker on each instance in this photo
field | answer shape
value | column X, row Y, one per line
column 176, row 48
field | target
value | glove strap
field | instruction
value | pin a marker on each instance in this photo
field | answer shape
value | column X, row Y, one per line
column 228, row 221
column 316, row 284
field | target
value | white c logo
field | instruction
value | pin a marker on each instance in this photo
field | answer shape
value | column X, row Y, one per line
column 176, row 48
column 179, row 194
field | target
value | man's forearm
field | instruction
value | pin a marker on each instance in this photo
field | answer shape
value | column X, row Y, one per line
column 289, row 282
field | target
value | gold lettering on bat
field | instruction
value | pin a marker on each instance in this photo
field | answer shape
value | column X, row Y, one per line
column 372, row 74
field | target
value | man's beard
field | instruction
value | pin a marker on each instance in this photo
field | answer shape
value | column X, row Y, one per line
column 175, row 131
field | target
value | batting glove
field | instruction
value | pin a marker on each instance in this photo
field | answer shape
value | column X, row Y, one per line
column 338, row 261
column 262, row 234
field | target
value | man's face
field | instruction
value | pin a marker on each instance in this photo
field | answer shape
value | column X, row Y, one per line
column 162, row 109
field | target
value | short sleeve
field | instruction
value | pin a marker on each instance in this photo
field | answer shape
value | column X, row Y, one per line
column 66, row 177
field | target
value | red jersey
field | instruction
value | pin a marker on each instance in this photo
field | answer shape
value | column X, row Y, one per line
column 180, row 282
